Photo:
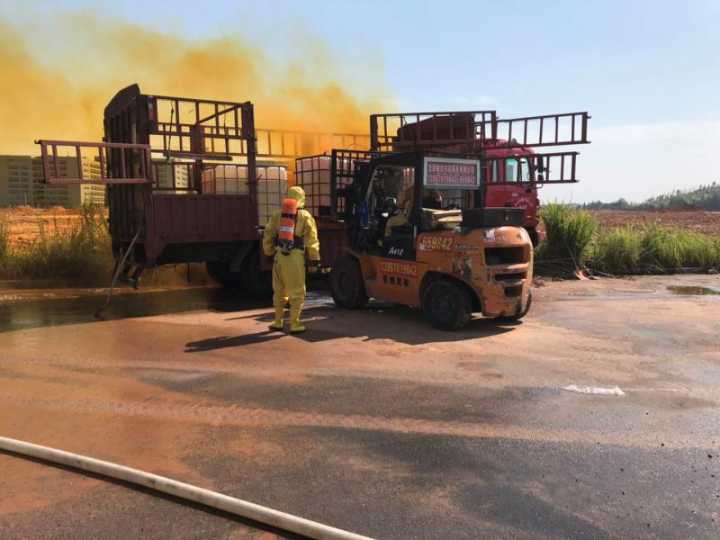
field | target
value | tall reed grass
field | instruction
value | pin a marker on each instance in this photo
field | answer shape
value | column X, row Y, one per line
column 574, row 240
column 4, row 245
column 80, row 256
column 568, row 234
column 654, row 249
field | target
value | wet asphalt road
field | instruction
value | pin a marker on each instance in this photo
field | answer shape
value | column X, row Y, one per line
column 372, row 421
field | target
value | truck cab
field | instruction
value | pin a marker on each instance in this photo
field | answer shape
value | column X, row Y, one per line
column 509, row 184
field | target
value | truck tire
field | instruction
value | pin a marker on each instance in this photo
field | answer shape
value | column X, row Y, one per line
column 346, row 284
column 257, row 282
column 446, row 305
column 517, row 316
column 220, row 272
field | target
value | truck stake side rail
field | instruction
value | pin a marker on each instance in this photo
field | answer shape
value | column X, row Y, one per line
column 325, row 177
column 393, row 132
column 534, row 131
column 191, row 128
column 545, row 168
column 471, row 131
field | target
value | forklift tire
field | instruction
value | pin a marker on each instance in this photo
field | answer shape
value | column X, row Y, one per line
column 220, row 272
column 346, row 284
column 517, row 316
column 446, row 305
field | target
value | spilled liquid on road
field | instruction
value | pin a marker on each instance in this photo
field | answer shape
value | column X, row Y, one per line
column 58, row 311
column 689, row 290
column 22, row 314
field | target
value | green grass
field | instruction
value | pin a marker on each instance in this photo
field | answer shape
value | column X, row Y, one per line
column 574, row 240
column 569, row 233
column 81, row 256
column 654, row 250
column 617, row 251
column 4, row 245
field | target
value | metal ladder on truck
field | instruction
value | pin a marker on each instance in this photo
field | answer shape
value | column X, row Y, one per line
column 480, row 132
column 133, row 161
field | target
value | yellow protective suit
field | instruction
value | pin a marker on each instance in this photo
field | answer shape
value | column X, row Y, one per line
column 288, row 275
column 403, row 216
column 398, row 220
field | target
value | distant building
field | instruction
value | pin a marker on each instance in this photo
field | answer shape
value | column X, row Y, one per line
column 21, row 183
column 16, row 181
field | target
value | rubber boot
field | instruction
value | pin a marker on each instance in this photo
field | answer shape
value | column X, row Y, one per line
column 278, row 324
column 295, row 326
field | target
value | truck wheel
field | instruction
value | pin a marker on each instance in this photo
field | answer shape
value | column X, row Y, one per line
column 346, row 284
column 520, row 315
column 257, row 282
column 446, row 305
column 220, row 272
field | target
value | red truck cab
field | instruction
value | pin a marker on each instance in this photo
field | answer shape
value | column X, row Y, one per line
column 510, row 185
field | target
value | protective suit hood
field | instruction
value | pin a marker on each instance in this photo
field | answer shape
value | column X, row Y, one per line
column 297, row 193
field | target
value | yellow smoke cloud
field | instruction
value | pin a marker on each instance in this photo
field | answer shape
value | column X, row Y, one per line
column 63, row 95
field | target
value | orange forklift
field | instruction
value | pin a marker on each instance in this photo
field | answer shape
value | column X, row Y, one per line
column 419, row 235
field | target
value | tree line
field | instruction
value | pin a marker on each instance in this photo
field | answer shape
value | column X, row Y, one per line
column 702, row 198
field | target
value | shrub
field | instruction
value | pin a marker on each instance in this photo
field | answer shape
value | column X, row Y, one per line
column 654, row 249
column 568, row 233
column 81, row 256
column 573, row 239
column 4, row 241
column 617, row 251
column 4, row 246
column 662, row 249
column 699, row 250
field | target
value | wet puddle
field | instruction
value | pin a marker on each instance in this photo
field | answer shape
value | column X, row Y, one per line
column 690, row 290
column 597, row 390
column 46, row 309
column 42, row 312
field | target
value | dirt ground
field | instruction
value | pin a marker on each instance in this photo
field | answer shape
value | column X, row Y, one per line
column 694, row 220
column 596, row 417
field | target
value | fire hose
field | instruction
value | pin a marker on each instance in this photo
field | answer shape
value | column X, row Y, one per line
column 181, row 490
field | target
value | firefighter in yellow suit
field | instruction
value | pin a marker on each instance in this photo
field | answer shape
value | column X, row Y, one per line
column 288, row 275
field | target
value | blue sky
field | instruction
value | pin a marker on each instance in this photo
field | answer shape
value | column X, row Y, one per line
column 648, row 72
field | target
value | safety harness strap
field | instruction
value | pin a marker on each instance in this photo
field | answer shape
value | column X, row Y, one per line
column 298, row 243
